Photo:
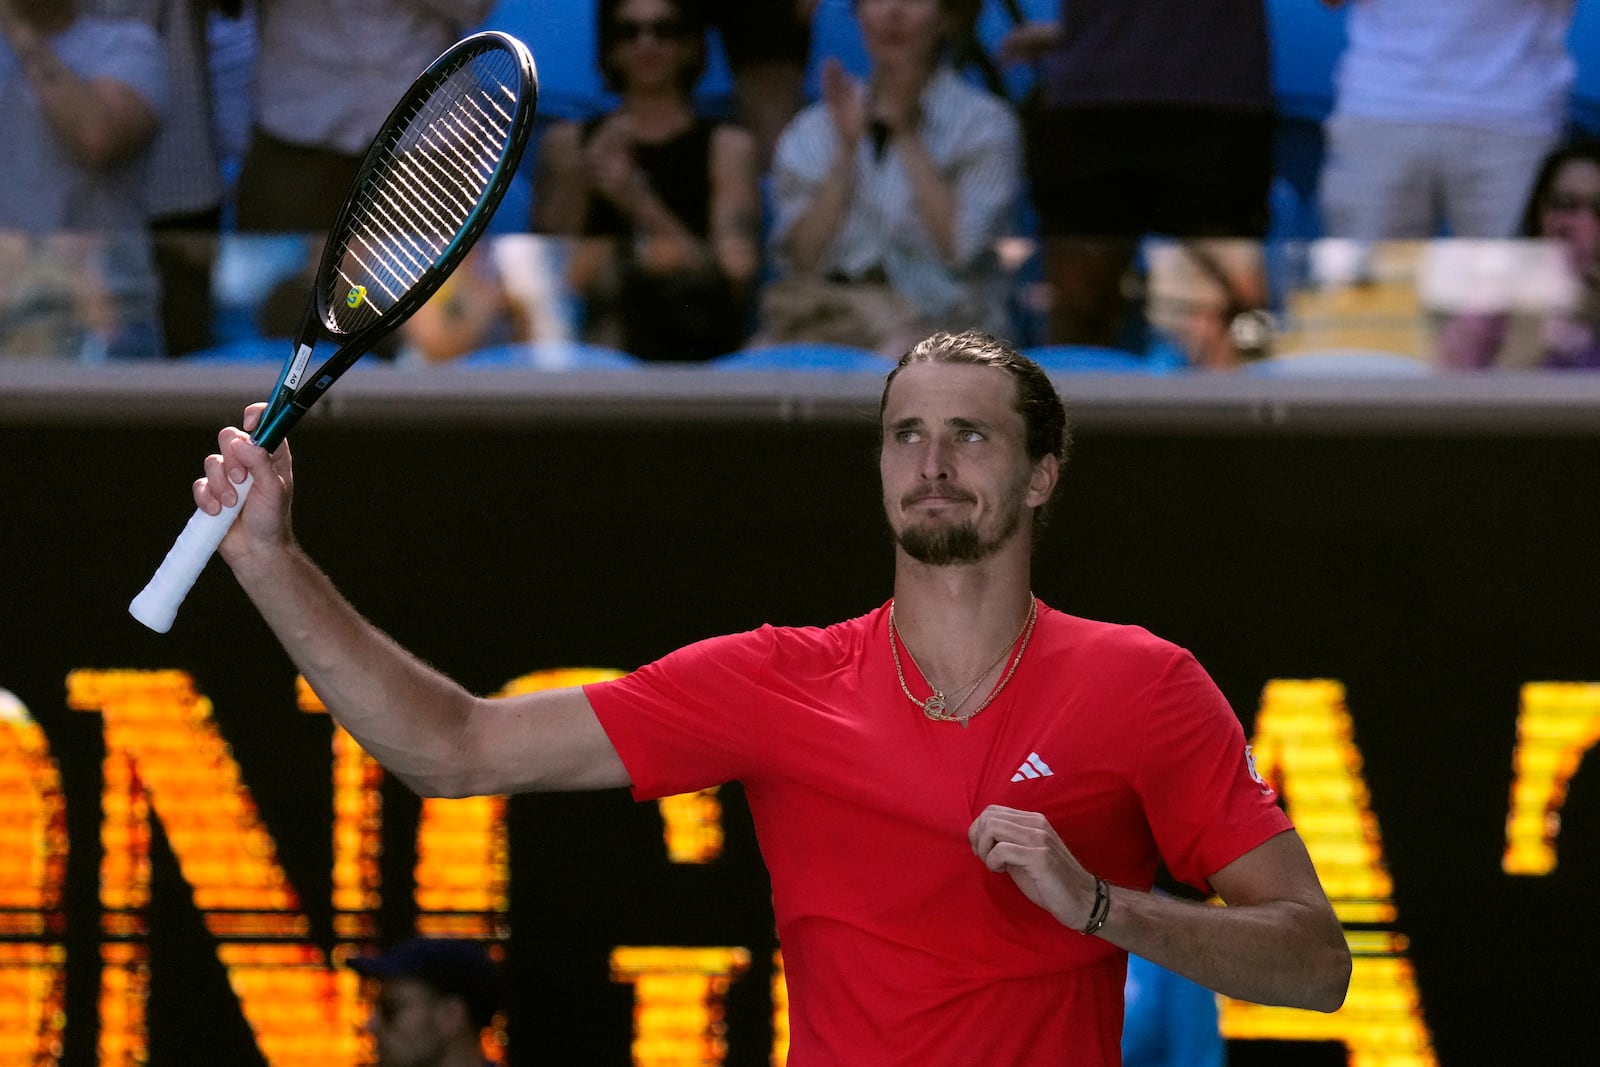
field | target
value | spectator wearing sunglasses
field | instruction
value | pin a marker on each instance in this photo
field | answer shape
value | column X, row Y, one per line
column 433, row 1000
column 1564, row 209
column 662, row 204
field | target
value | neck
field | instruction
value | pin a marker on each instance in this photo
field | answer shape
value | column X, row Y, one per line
column 954, row 619
column 657, row 111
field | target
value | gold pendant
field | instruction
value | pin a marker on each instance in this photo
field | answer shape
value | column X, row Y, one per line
column 934, row 707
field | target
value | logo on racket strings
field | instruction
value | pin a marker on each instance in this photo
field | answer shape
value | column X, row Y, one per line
column 356, row 296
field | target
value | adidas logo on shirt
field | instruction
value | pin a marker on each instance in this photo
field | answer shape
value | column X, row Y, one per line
column 1032, row 767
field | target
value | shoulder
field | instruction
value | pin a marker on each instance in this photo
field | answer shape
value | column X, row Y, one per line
column 1120, row 658
column 125, row 50
column 108, row 42
column 809, row 126
column 951, row 94
column 838, row 642
column 1120, row 640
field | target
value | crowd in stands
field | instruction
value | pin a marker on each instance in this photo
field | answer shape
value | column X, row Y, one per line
column 1099, row 176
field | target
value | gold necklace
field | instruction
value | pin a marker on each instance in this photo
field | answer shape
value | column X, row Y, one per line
column 937, row 706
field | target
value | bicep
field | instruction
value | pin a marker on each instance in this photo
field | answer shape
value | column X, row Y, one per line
column 1278, row 869
column 129, row 117
column 546, row 741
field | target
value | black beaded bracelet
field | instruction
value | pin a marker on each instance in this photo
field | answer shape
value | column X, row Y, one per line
column 1102, row 907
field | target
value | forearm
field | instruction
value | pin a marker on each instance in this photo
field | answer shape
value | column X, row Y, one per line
column 933, row 196
column 1281, row 952
column 95, row 128
column 413, row 720
column 816, row 227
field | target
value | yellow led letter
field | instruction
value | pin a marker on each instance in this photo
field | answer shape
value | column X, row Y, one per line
column 165, row 756
column 1305, row 745
column 33, row 860
column 1558, row 723
column 678, row 1002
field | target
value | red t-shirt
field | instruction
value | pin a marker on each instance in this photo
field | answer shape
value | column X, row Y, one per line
column 899, row 946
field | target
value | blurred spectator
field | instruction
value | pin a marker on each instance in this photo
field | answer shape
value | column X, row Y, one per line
column 1206, row 299
column 502, row 293
column 1441, row 115
column 1168, row 1020
column 768, row 43
column 1556, row 325
column 184, row 182
column 434, row 999
column 890, row 196
column 1149, row 116
column 663, row 204
column 80, row 100
column 327, row 75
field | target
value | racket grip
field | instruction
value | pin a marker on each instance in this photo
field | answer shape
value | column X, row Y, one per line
column 157, row 605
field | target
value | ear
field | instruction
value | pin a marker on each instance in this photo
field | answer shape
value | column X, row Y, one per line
column 1042, row 482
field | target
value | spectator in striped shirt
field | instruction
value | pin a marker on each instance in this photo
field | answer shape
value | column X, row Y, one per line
column 890, row 195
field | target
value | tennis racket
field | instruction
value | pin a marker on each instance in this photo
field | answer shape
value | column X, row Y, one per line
column 428, row 185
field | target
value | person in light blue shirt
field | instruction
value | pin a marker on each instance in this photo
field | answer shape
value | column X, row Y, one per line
column 1442, row 113
column 81, row 99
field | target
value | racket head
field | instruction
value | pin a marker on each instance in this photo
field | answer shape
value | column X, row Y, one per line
column 426, row 189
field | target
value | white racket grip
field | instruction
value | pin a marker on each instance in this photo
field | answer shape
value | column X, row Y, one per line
column 157, row 605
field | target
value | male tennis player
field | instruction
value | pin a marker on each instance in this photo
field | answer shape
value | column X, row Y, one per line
column 963, row 794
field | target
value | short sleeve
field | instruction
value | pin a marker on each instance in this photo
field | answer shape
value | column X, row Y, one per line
column 689, row 720
column 1203, row 800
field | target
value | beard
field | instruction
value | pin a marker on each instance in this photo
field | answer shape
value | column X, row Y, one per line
column 947, row 546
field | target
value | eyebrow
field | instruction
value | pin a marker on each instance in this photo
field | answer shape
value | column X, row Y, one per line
column 916, row 422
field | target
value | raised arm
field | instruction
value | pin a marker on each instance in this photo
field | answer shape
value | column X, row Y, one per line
column 98, row 121
column 423, row 727
column 1277, row 941
column 820, row 208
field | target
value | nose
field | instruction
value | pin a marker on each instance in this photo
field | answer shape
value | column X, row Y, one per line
column 935, row 460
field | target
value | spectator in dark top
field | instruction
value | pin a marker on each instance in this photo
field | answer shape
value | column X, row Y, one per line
column 663, row 204
column 433, row 1000
column 1153, row 116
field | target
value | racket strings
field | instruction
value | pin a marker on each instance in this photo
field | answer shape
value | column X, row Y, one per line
column 423, row 191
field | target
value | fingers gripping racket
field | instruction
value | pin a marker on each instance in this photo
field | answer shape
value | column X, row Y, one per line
column 428, row 185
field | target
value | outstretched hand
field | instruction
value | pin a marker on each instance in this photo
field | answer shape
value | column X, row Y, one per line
column 846, row 100
column 1025, row 846
column 264, row 521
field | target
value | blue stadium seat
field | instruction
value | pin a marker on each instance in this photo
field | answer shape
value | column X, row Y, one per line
column 1307, row 39
column 1584, row 40
column 1093, row 359
column 270, row 350
column 549, row 355
column 802, row 356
